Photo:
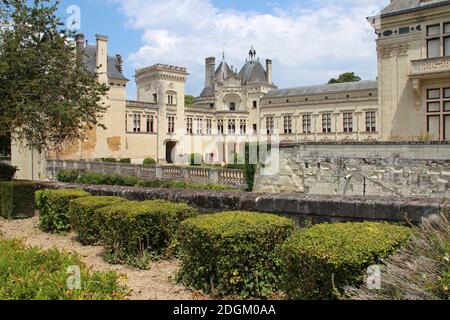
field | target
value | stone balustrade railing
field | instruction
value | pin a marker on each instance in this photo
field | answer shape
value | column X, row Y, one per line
column 220, row 176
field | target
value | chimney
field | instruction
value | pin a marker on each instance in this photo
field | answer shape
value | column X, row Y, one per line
column 269, row 71
column 120, row 62
column 210, row 72
column 79, row 40
column 102, row 58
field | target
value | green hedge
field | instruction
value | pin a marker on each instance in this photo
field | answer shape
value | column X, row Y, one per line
column 233, row 253
column 83, row 217
column 70, row 176
column 125, row 161
column 74, row 176
column 134, row 232
column 321, row 261
column 54, row 208
column 7, row 172
column 16, row 199
column 35, row 274
column 149, row 162
column 111, row 160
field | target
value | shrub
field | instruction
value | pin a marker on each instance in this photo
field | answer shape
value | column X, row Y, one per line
column 134, row 231
column 195, row 159
column 322, row 260
column 112, row 160
column 125, row 160
column 83, row 217
column 16, row 199
column 35, row 274
column 7, row 172
column 233, row 253
column 69, row 176
column 54, row 207
column 149, row 162
column 420, row 270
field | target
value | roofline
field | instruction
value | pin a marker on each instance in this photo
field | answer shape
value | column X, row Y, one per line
column 331, row 92
column 433, row 5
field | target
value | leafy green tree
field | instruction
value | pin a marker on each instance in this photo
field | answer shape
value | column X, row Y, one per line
column 5, row 145
column 345, row 77
column 189, row 100
column 47, row 97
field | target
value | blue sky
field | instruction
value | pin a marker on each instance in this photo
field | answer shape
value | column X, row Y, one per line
column 309, row 41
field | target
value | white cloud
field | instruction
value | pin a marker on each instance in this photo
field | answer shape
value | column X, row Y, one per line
column 309, row 41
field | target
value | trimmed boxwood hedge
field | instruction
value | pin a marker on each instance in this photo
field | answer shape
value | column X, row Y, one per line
column 28, row 273
column 54, row 208
column 233, row 253
column 149, row 162
column 321, row 261
column 84, row 219
column 16, row 199
column 135, row 232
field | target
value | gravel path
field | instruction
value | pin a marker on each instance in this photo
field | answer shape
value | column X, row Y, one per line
column 154, row 284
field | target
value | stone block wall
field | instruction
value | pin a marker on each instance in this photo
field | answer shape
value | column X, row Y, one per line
column 357, row 169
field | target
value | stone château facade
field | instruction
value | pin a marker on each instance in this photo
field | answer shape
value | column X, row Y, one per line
column 409, row 101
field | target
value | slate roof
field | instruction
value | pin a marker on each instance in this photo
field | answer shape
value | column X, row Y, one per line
column 90, row 58
column 223, row 71
column 403, row 6
column 322, row 89
column 253, row 72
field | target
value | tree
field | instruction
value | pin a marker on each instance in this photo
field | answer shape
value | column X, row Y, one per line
column 345, row 77
column 189, row 100
column 47, row 96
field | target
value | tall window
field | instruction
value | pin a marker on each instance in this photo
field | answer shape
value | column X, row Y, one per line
column 232, row 126
column 220, row 127
column 232, row 106
column 199, row 126
column 255, row 104
column 270, row 125
column 371, row 121
column 171, row 99
column 189, row 126
column 255, row 128
column 136, row 123
column 438, row 113
column 438, row 40
column 348, row 121
column 171, row 124
column 208, row 126
column 150, row 123
column 126, row 122
column 326, row 123
column 287, row 124
column 307, row 123
column 243, row 126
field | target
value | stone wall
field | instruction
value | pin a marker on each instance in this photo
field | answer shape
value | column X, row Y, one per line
column 386, row 169
column 227, row 177
column 300, row 207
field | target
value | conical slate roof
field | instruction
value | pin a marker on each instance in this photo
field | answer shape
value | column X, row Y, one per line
column 253, row 72
column 223, row 72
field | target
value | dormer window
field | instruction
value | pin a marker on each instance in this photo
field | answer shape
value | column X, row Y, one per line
column 155, row 98
column 232, row 106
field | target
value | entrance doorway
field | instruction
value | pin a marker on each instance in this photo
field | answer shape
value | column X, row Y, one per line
column 170, row 151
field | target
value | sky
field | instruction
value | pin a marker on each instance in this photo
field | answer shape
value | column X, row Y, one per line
column 309, row 41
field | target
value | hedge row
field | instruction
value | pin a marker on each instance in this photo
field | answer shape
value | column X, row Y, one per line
column 135, row 232
column 16, row 199
column 74, row 176
column 233, row 253
column 35, row 274
column 321, row 261
column 254, row 255
column 131, row 232
column 54, row 208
